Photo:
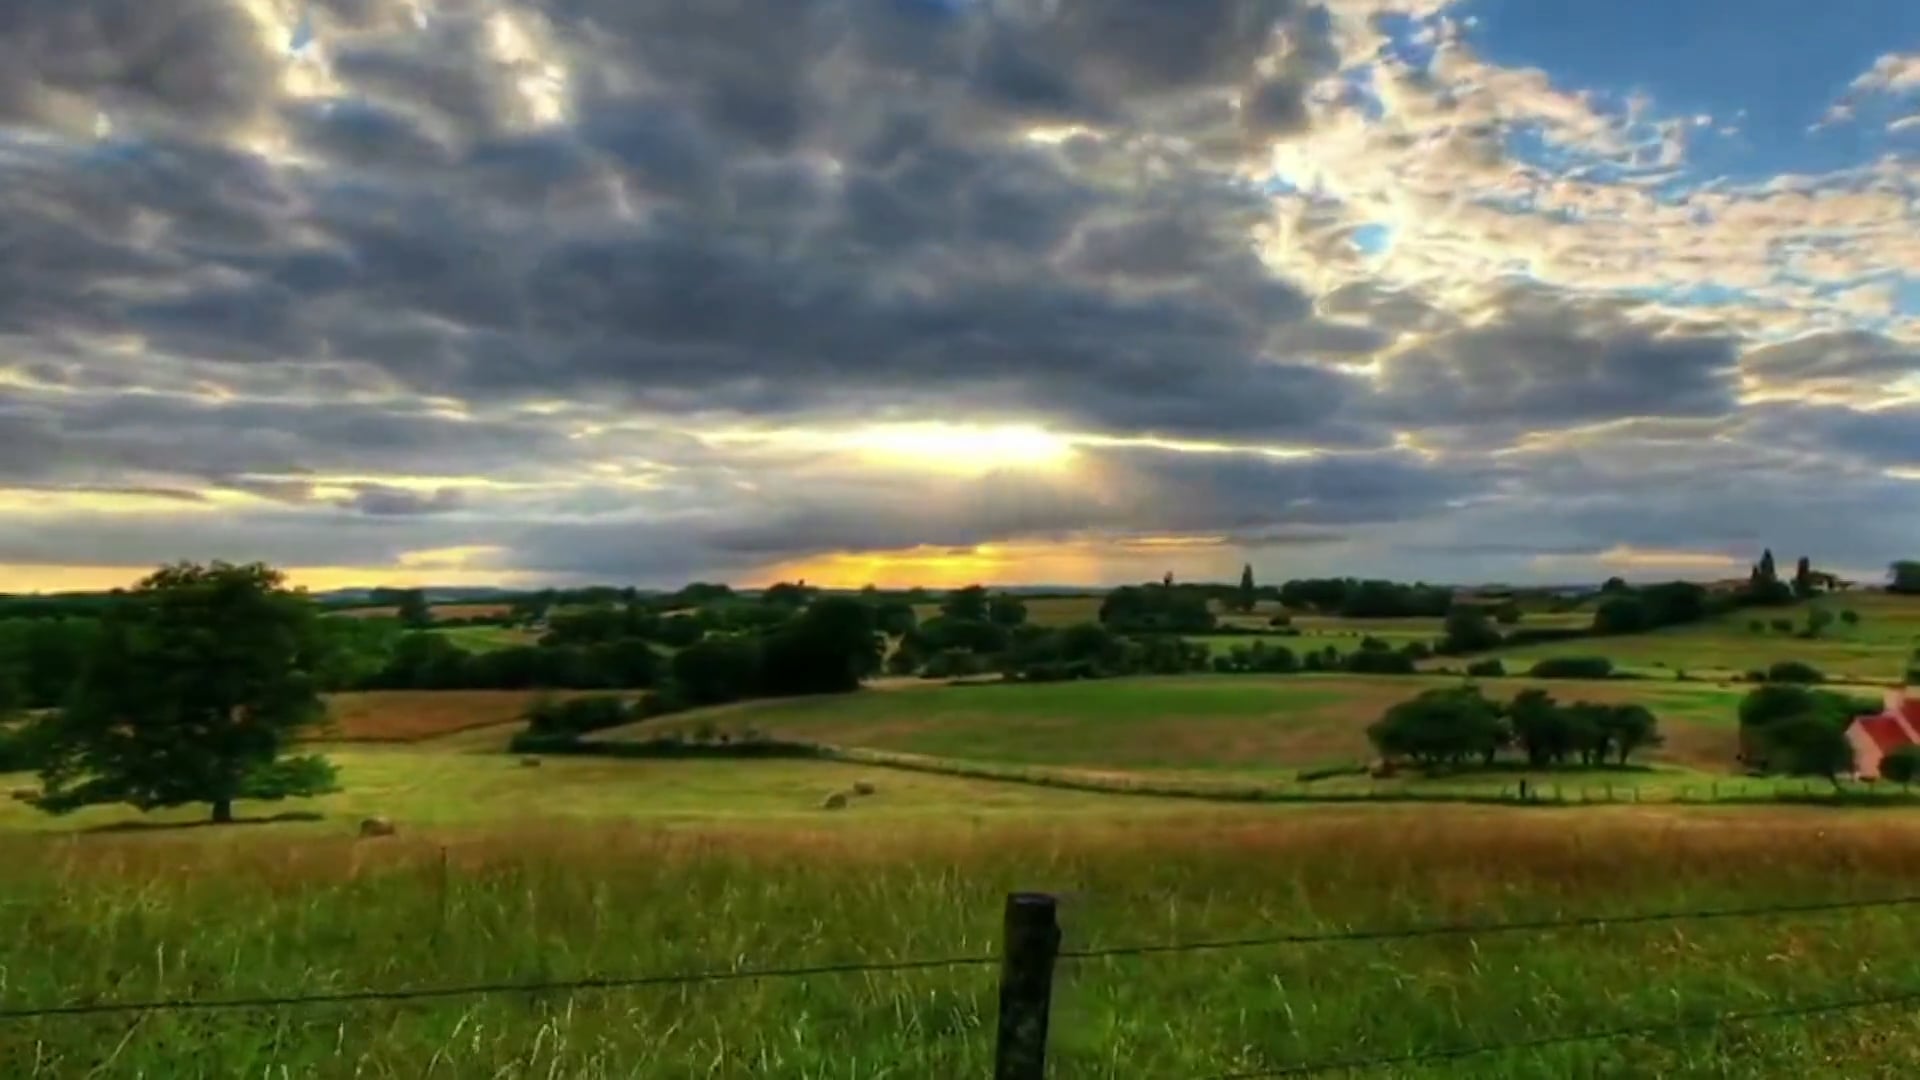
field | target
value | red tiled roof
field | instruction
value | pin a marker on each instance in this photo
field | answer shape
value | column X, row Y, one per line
column 1887, row 733
column 1910, row 708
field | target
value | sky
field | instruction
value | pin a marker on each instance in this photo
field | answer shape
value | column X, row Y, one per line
column 930, row 292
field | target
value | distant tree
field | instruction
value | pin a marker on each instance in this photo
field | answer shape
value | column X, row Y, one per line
column 413, row 609
column 1622, row 614
column 1784, row 626
column 969, row 603
column 1811, row 745
column 1248, row 594
column 1904, row 577
column 1572, row 667
column 1850, row 617
column 716, row 671
column 827, row 650
column 1794, row 671
column 1818, row 619
column 1901, row 765
column 895, row 618
column 788, row 594
column 1007, row 611
column 199, row 682
column 1167, row 581
column 1468, row 630
column 1803, row 578
column 1630, row 727
column 1540, row 728
column 1441, row 727
column 1507, row 613
column 1768, row 572
column 1614, row 585
column 1755, row 626
column 1490, row 668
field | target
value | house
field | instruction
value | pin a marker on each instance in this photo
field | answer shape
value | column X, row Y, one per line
column 1874, row 737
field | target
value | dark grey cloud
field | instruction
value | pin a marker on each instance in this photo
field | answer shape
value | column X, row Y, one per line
column 1546, row 360
column 775, row 213
column 1868, row 360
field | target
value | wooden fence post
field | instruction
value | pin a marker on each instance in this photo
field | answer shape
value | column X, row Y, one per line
column 1029, row 945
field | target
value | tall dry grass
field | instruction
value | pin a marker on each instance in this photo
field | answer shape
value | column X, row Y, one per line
column 241, row 912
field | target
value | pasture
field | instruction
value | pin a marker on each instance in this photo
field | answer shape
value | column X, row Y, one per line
column 545, row 895
column 1875, row 650
column 440, row 612
column 488, row 638
column 1243, row 724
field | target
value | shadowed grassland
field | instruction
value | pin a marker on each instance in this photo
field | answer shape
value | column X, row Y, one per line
column 488, row 638
column 212, row 913
column 1240, row 723
column 422, row 786
column 1875, row 650
column 412, row 715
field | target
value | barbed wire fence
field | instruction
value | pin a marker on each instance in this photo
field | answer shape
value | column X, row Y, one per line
column 1030, row 954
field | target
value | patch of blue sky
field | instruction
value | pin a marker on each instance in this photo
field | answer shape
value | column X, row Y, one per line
column 1769, row 68
column 1373, row 239
column 1407, row 39
column 1906, row 296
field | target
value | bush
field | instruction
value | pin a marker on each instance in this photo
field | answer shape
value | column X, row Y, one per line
column 1784, row 626
column 1486, row 669
column 1755, row 626
column 576, row 716
column 1794, row 671
column 1282, row 619
column 1573, row 667
column 22, row 748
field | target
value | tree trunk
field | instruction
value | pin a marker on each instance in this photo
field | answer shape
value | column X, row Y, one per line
column 222, row 811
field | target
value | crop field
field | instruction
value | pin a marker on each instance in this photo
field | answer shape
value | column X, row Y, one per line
column 544, row 895
column 440, row 612
column 488, row 638
column 400, row 716
column 1240, row 723
column 1875, row 650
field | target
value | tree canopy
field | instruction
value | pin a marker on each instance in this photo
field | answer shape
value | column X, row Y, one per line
column 197, row 685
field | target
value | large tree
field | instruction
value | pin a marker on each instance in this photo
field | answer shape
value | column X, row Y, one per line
column 1904, row 577
column 1248, row 595
column 199, row 681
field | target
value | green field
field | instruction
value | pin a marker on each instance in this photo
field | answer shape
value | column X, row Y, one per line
column 582, row 867
column 487, row 638
column 1873, row 651
column 272, row 910
column 1248, row 724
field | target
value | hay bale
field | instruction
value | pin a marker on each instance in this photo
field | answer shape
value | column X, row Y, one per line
column 835, row 801
column 864, row 787
column 377, row 826
column 529, row 762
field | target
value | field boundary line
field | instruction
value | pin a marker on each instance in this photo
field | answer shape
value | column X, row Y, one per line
column 354, row 997
column 1672, row 1027
column 1581, row 922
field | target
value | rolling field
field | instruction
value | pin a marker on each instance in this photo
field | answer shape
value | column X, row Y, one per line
column 1874, row 651
column 402, row 716
column 438, row 611
column 1248, row 724
column 488, row 638
column 279, row 909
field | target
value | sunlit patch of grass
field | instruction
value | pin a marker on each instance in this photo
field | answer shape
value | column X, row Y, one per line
column 236, row 912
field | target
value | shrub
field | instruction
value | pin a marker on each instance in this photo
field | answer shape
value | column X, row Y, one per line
column 1487, row 669
column 576, row 716
column 1784, row 626
column 1573, row 667
column 1850, row 617
column 1901, row 765
column 1282, row 619
column 1794, row 671
column 1756, row 627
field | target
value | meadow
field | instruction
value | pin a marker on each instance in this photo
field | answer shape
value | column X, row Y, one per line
column 1246, row 724
column 267, row 911
column 507, row 872
column 1874, row 650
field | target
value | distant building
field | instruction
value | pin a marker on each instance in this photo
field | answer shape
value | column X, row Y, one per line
column 1874, row 737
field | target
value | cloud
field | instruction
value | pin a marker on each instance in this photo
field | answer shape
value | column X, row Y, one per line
column 546, row 277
